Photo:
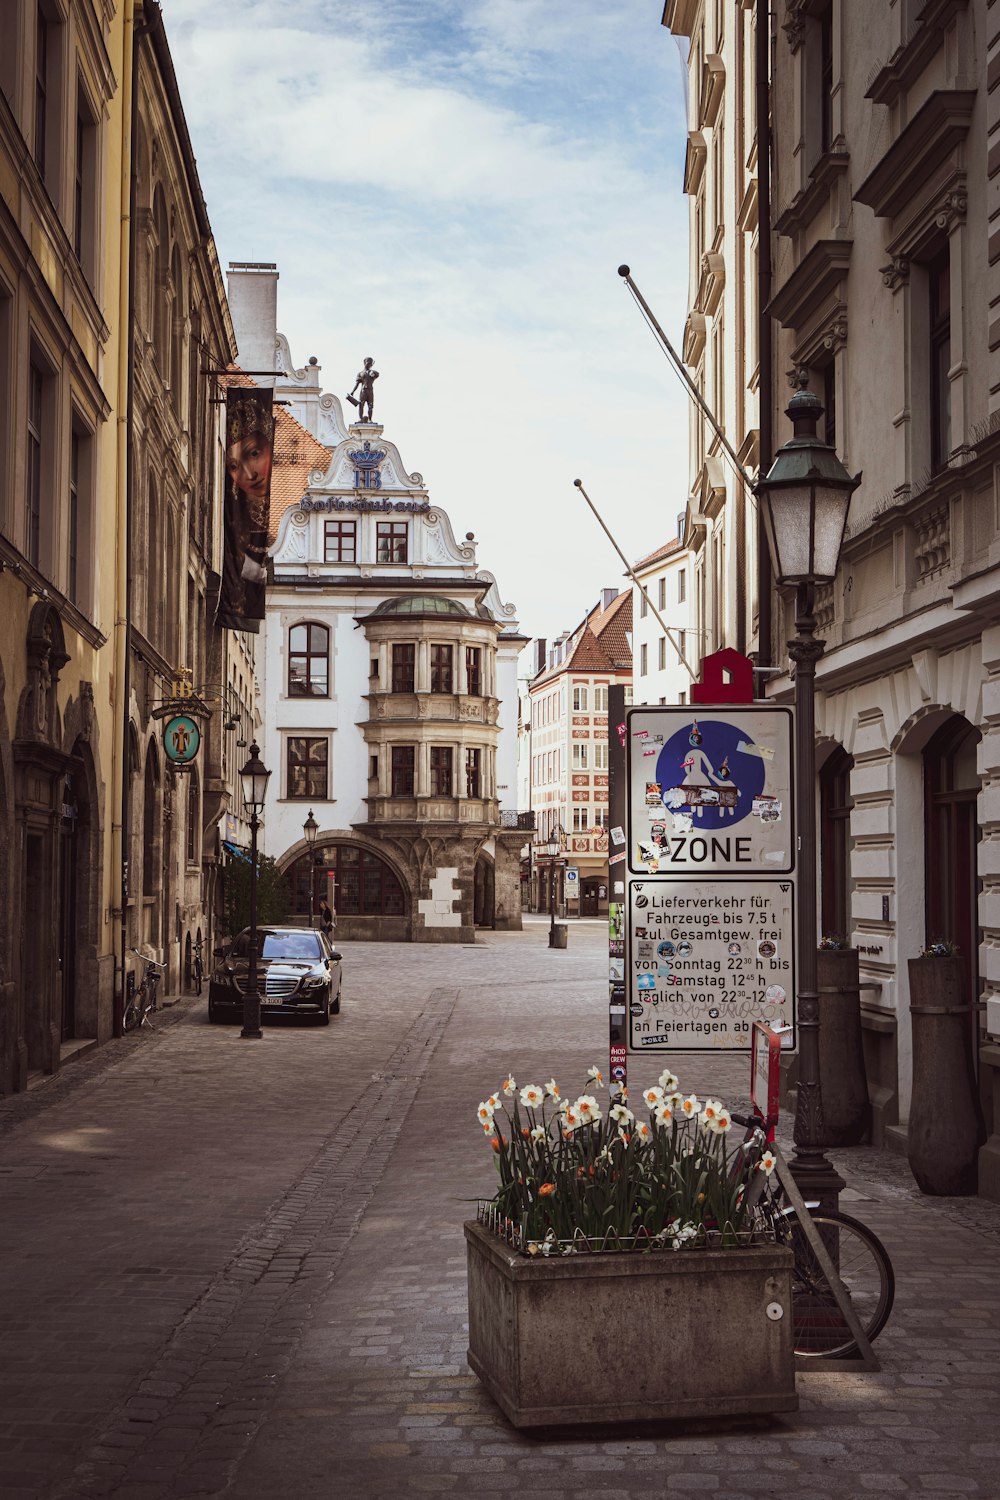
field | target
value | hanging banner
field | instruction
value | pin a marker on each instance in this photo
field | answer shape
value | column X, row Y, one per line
column 246, row 507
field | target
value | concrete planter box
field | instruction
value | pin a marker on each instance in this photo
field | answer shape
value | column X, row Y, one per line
column 630, row 1338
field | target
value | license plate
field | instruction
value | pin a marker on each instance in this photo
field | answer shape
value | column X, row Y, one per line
column 267, row 1000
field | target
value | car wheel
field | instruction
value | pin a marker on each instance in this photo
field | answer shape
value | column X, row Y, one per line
column 324, row 1015
column 214, row 1018
column 335, row 1005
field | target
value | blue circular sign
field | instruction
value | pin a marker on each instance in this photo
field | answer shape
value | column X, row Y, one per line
column 703, row 764
column 181, row 738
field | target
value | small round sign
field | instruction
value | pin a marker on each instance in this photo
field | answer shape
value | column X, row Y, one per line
column 181, row 738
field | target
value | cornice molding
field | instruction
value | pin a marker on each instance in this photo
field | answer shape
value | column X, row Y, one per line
column 925, row 144
column 817, row 277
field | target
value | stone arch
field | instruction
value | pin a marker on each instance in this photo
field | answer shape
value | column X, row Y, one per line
column 484, row 890
column 920, row 727
column 38, row 709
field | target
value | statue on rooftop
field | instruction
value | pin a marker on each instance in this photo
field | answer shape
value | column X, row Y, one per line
column 366, row 380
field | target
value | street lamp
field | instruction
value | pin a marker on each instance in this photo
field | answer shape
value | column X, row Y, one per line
column 311, row 828
column 254, row 778
column 804, row 500
column 552, row 850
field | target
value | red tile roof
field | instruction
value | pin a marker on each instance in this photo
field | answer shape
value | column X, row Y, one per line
column 599, row 644
column 646, row 562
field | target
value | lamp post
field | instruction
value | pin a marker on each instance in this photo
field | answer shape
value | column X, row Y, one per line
column 311, row 828
column 804, row 500
column 254, row 778
column 552, row 850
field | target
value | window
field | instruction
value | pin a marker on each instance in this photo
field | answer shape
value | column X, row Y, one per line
column 939, row 278
column 681, row 585
column 826, row 78
column 442, row 676
column 579, row 755
column 830, row 403
column 952, row 831
column 600, row 700
column 601, row 816
column 193, row 820
column 308, row 661
column 644, row 602
column 442, row 782
column 85, row 185
column 682, row 636
column 73, row 527
column 373, row 768
column 474, row 671
column 601, row 755
column 682, row 697
column 391, row 537
column 628, row 694
column 404, row 659
column 41, row 88
column 473, row 773
column 580, row 700
column 662, row 654
column 33, row 468
column 404, row 759
column 307, row 767
column 662, row 589
column 340, row 541
column 643, row 659
column 581, row 819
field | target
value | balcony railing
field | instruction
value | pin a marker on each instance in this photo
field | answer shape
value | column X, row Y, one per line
column 522, row 821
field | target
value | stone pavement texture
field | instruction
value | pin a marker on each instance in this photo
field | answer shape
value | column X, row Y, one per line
column 238, row 1268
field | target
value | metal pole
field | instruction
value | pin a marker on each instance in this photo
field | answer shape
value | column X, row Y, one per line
column 816, row 1177
column 552, row 903
column 251, row 997
column 312, row 885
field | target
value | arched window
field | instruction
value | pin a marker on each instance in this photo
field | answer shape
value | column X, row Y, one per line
column 177, row 304
column 835, row 843
column 161, row 301
column 363, row 884
column 308, row 661
column 951, row 833
column 154, row 592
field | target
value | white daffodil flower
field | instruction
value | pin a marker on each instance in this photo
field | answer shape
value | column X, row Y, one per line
column 664, row 1115
column 667, row 1081
column 767, row 1163
column 587, row 1108
column 539, row 1133
column 531, row 1096
column 653, row 1097
column 621, row 1115
column 596, row 1076
column 485, row 1113
column 552, row 1089
column 509, row 1086
column 643, row 1131
column 723, row 1121
column 690, row 1106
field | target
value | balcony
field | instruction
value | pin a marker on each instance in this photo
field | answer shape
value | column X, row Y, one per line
column 439, row 708
column 523, row 821
column 429, row 810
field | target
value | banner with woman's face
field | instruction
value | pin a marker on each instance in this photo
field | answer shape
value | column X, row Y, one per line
column 246, row 507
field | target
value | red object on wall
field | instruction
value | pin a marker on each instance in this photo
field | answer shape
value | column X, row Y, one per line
column 726, row 677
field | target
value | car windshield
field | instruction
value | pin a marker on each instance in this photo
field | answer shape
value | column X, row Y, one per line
column 301, row 945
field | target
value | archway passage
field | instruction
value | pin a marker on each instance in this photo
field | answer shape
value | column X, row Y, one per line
column 951, row 834
column 484, row 892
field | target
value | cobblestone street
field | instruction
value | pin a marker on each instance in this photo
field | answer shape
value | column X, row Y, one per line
column 235, row 1268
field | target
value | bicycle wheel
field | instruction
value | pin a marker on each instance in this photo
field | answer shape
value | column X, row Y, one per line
column 197, row 976
column 821, row 1330
column 132, row 1016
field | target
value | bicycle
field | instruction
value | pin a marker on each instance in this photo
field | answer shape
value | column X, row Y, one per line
column 197, row 966
column 143, row 998
column 821, row 1331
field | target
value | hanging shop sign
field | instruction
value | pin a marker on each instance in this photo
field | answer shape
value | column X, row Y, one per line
column 708, row 917
column 181, row 739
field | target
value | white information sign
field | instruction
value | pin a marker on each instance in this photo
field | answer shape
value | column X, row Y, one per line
column 710, row 790
column 707, row 959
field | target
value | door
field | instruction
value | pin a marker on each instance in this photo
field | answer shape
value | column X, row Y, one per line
column 590, row 897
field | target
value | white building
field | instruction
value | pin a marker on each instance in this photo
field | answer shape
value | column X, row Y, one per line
column 665, row 588
column 388, row 676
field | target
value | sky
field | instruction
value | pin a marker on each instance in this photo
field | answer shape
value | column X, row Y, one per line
column 450, row 186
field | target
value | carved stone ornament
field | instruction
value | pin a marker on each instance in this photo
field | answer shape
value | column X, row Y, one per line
column 896, row 273
column 835, row 336
column 794, row 24
column 952, row 209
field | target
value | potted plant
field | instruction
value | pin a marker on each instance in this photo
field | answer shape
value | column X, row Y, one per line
column 946, row 1125
column 615, row 1274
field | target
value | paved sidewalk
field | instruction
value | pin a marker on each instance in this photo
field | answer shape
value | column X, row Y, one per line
column 238, row 1268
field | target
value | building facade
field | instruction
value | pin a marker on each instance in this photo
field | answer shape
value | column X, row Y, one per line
column 887, row 295
column 63, row 261
column 566, row 744
column 182, row 342
column 390, row 673
column 721, row 345
column 665, row 586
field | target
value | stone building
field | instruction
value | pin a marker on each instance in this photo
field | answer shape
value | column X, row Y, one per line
column 182, row 341
column 565, row 743
column 666, row 587
column 389, row 674
column 887, row 292
column 64, row 223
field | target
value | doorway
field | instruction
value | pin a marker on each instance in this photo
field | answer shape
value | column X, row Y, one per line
column 590, row 896
column 67, row 911
column 484, row 914
column 951, row 836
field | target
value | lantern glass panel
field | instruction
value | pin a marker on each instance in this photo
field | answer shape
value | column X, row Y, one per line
column 831, row 517
column 788, row 523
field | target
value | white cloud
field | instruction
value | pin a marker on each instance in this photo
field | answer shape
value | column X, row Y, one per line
column 449, row 185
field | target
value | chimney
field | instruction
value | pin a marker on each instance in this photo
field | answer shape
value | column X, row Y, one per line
column 539, row 654
column 607, row 597
column 252, row 290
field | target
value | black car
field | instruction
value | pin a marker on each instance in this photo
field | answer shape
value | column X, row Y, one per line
column 298, row 974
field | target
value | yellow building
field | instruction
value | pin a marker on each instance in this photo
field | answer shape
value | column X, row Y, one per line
column 64, row 206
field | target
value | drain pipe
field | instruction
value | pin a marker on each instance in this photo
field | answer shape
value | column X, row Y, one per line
column 765, row 342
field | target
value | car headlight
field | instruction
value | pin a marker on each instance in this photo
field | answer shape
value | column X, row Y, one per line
column 314, row 982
